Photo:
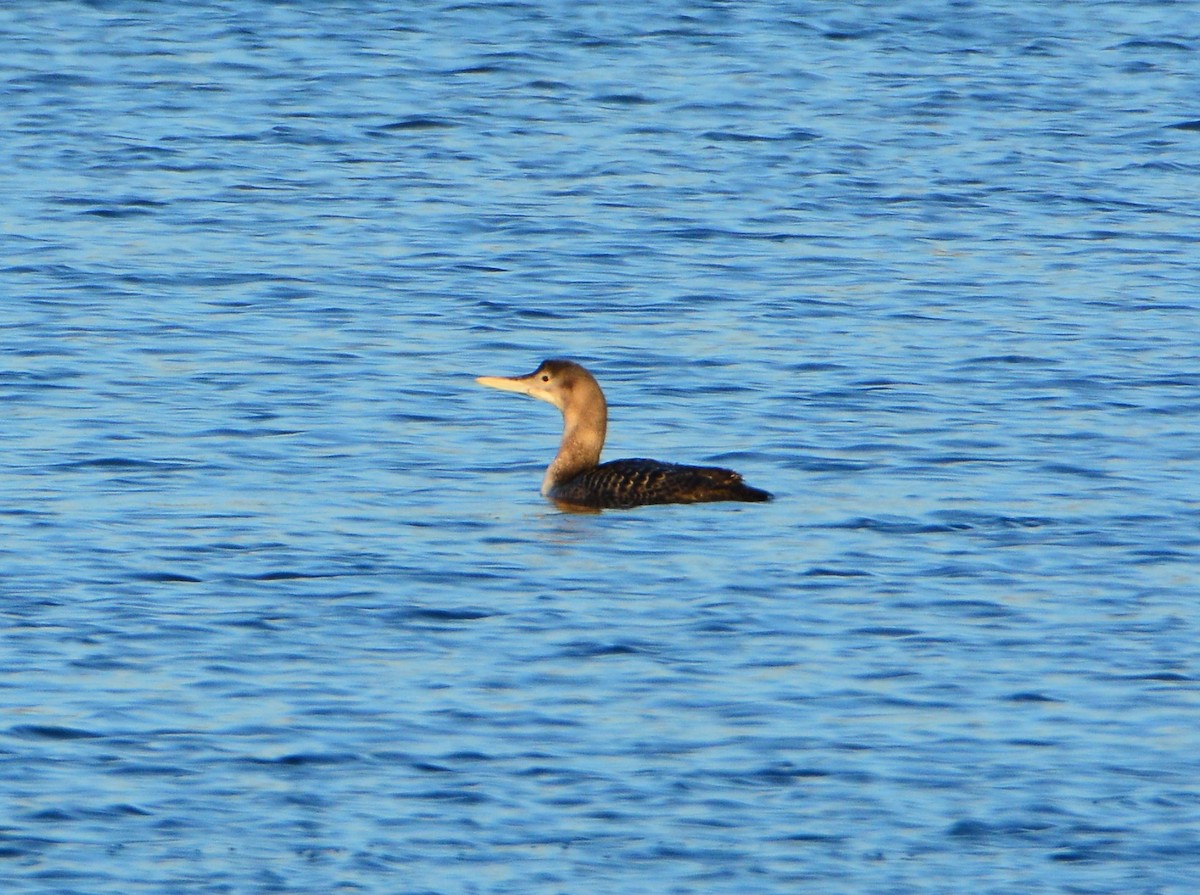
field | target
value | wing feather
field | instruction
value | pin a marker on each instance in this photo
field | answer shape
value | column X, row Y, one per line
column 637, row 481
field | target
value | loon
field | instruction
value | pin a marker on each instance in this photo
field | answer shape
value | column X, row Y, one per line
column 577, row 478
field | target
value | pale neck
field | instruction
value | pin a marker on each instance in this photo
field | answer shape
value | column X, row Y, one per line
column 585, row 423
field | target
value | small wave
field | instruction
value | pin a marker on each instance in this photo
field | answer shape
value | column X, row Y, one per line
column 826, row 572
column 127, row 464
column 583, row 649
column 308, row 759
column 165, row 578
column 52, row 732
column 446, row 615
column 417, row 123
column 898, row 526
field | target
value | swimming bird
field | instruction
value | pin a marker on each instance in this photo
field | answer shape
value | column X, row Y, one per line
column 577, row 478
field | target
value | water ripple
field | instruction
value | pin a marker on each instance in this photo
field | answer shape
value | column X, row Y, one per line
column 284, row 609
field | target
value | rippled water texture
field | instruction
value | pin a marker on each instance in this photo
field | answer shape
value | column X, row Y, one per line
column 283, row 609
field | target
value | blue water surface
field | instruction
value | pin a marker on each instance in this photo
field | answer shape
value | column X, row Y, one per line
column 283, row 609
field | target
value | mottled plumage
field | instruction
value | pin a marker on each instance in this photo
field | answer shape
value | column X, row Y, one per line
column 635, row 482
column 577, row 478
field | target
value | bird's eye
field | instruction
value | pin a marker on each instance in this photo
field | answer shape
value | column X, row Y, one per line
column 545, row 378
